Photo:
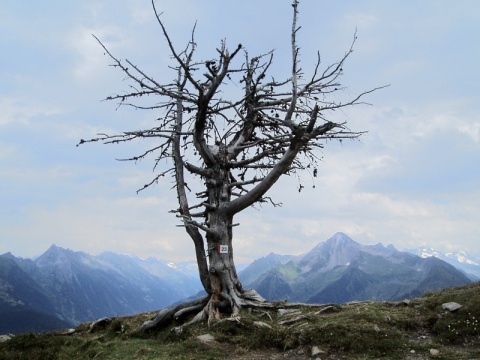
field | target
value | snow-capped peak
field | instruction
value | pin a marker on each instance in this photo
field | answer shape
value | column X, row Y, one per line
column 426, row 252
column 462, row 257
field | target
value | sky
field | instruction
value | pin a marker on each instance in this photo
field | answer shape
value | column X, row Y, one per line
column 412, row 180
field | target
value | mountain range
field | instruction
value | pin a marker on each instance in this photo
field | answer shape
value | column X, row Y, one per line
column 62, row 288
column 340, row 270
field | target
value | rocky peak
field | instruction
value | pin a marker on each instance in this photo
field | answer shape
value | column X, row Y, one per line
column 55, row 255
column 340, row 249
column 340, row 239
column 8, row 255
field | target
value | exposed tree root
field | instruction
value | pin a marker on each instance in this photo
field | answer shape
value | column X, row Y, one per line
column 207, row 309
column 166, row 316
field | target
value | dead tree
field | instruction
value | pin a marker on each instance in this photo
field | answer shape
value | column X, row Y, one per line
column 235, row 146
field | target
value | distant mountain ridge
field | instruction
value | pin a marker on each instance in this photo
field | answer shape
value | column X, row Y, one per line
column 61, row 287
column 73, row 287
column 461, row 259
column 339, row 270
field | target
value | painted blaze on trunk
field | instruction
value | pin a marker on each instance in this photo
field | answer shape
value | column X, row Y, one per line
column 242, row 138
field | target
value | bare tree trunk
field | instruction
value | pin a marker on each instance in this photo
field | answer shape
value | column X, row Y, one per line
column 225, row 285
column 226, row 289
column 225, row 292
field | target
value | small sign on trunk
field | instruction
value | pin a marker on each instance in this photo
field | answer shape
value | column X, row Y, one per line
column 222, row 249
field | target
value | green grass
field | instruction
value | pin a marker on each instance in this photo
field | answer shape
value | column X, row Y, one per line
column 290, row 271
column 366, row 330
column 463, row 325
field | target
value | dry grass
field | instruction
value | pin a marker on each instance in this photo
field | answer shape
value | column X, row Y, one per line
column 366, row 330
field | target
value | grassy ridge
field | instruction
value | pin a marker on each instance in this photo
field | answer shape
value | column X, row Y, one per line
column 363, row 330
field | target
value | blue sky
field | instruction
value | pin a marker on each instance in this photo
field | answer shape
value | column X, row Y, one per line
column 412, row 180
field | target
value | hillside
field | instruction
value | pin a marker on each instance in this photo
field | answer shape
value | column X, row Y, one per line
column 416, row 329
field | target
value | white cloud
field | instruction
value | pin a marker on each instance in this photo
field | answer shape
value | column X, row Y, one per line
column 411, row 180
column 91, row 63
column 135, row 224
column 361, row 20
column 20, row 110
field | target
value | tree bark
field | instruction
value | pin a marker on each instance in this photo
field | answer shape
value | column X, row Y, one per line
column 226, row 289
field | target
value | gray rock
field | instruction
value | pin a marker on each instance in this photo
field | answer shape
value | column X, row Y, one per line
column 434, row 352
column 451, row 306
column 178, row 330
column 207, row 338
column 316, row 351
column 4, row 338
